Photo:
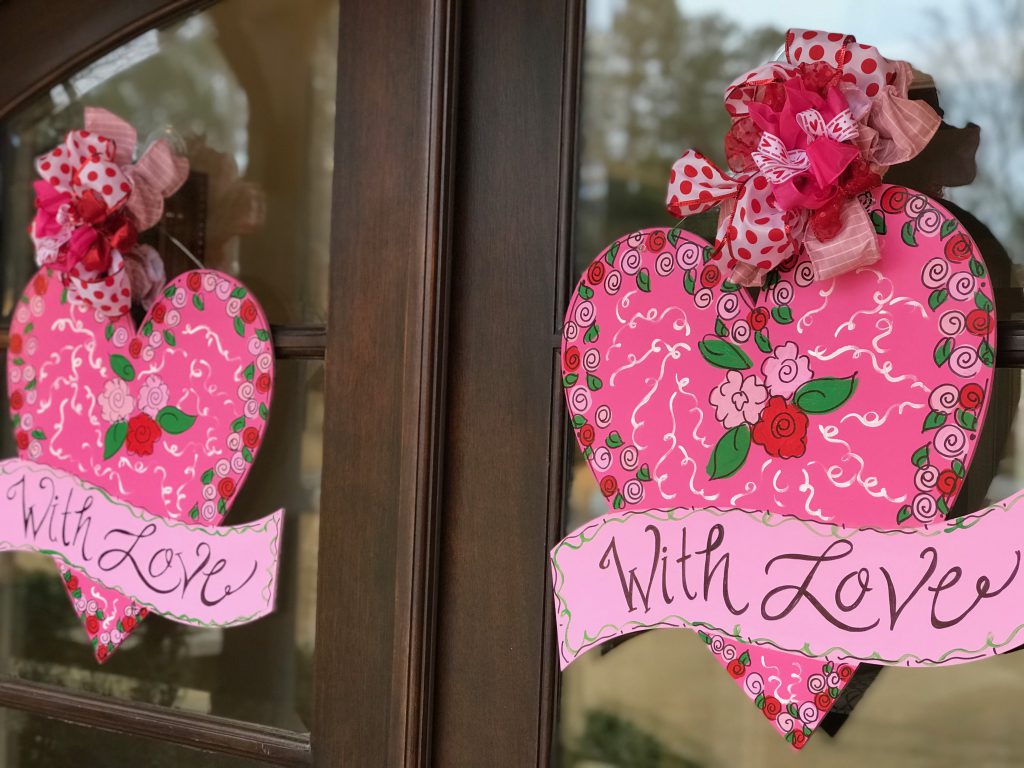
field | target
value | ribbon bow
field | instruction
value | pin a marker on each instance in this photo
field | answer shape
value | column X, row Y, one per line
column 809, row 134
column 93, row 201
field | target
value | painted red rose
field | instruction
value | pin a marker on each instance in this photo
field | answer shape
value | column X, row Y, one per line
column 894, row 199
column 143, row 613
column 979, row 322
column 248, row 311
column 971, row 396
column 17, row 400
column 710, row 276
column 609, row 485
column 948, row 482
column 758, row 318
column 823, row 701
column 72, row 583
column 15, row 344
column 655, row 241
column 135, row 347
column 587, row 434
column 194, row 281
column 736, row 668
column 101, row 653
column 159, row 312
column 845, row 671
column 128, row 623
column 958, row 247
column 250, row 436
column 781, row 430
column 226, row 487
column 572, row 358
column 595, row 272
column 92, row 625
column 263, row 382
column 39, row 284
column 771, row 707
column 799, row 739
column 22, row 439
column 143, row 433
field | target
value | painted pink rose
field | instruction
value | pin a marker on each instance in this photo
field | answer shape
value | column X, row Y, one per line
column 786, row 370
column 153, row 396
column 738, row 399
column 116, row 403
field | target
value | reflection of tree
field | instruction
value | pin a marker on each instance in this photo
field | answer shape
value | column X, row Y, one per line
column 653, row 86
column 980, row 68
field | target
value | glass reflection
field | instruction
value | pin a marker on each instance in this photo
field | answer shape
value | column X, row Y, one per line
column 246, row 90
column 654, row 72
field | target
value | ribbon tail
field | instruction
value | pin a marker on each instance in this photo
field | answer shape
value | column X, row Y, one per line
column 112, row 127
column 855, row 246
column 158, row 174
column 696, row 185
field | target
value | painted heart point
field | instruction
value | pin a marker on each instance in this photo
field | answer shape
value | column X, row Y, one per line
column 856, row 400
column 168, row 417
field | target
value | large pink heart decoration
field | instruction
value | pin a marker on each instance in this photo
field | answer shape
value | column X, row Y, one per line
column 168, row 418
column 856, row 400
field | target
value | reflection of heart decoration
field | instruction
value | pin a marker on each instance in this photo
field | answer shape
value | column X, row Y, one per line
column 168, row 418
column 856, row 400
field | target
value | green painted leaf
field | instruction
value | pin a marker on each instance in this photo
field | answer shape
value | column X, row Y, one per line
column 121, row 366
column 782, row 314
column 263, row 412
column 673, row 236
column 762, row 341
column 644, row 473
column 108, row 332
column 38, row 434
column 824, row 395
column 570, row 379
column 31, row 385
column 239, row 424
column 585, row 291
column 250, row 371
column 588, row 452
column 878, row 220
column 194, row 512
column 174, row 421
column 720, row 328
column 262, row 334
column 759, row 701
column 611, row 253
column 982, row 301
column 643, row 280
column 907, row 233
column 791, row 708
column 708, row 253
column 920, row 457
column 222, row 506
column 619, row 501
column 728, row 287
column 977, row 268
column 827, row 669
column 114, row 439
column 947, row 229
column 942, row 351
column 30, row 326
column 937, row 297
column 986, row 353
column 614, row 440
column 593, row 383
column 592, row 333
column 689, row 282
column 170, row 291
column 958, row 468
column 207, row 477
column 239, row 292
column 833, row 692
column 197, row 301
column 724, row 354
column 169, row 338
column 147, row 329
column 577, row 421
column 943, row 506
column 239, row 327
column 966, row 419
column 745, row 658
column 247, row 454
column 729, row 453
column 933, row 420
column 18, row 361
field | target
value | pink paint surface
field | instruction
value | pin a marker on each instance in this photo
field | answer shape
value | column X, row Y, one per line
column 194, row 574
column 200, row 367
column 914, row 331
column 805, row 588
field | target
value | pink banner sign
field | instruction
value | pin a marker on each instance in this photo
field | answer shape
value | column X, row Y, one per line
column 201, row 575
column 948, row 594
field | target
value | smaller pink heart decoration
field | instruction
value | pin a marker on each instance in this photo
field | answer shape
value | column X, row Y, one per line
column 168, row 417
